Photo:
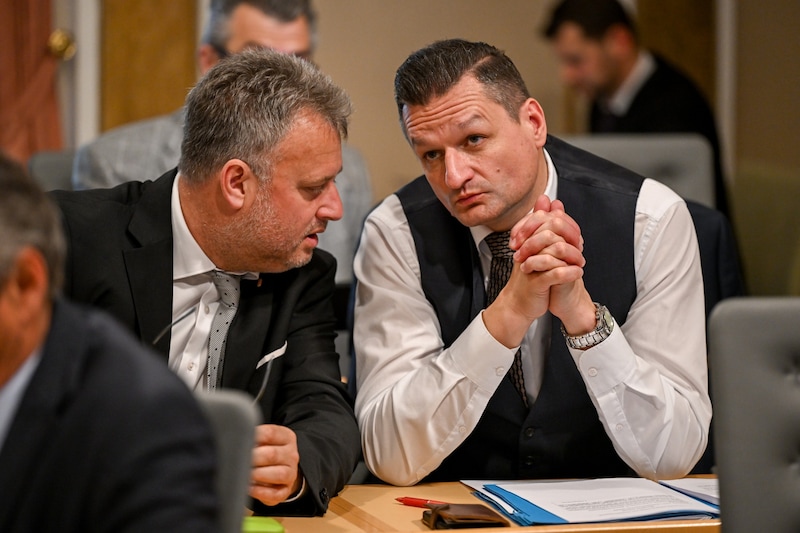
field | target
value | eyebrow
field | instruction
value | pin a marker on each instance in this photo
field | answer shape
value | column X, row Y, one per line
column 462, row 125
column 323, row 180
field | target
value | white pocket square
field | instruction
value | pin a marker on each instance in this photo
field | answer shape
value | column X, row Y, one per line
column 272, row 355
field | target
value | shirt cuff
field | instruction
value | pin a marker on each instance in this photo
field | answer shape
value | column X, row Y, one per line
column 480, row 357
column 299, row 494
column 607, row 364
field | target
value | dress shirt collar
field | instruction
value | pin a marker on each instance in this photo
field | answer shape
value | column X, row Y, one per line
column 480, row 232
column 188, row 259
column 642, row 70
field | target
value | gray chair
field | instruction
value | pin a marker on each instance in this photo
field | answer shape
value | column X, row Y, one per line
column 52, row 170
column 233, row 419
column 682, row 161
column 754, row 350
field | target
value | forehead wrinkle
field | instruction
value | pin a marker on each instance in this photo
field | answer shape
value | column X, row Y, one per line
column 427, row 119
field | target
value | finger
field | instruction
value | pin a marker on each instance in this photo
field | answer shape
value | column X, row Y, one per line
column 562, row 275
column 539, row 221
column 543, row 203
column 270, row 495
column 526, row 227
column 273, row 476
column 566, row 252
column 551, row 243
column 564, row 225
column 272, row 434
column 535, row 244
column 540, row 263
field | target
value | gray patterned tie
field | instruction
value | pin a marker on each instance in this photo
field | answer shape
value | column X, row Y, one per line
column 228, row 287
column 499, row 272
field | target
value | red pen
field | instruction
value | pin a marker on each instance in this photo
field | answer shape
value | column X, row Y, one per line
column 418, row 502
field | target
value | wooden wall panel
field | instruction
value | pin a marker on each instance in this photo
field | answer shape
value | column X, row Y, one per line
column 683, row 31
column 147, row 58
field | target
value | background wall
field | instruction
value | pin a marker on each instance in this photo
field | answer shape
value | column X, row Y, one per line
column 767, row 187
column 362, row 42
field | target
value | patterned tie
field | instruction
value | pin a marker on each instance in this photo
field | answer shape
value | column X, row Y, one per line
column 228, row 287
column 499, row 272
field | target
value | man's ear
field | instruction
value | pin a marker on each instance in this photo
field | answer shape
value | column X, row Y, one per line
column 236, row 181
column 207, row 57
column 26, row 287
column 618, row 41
column 531, row 114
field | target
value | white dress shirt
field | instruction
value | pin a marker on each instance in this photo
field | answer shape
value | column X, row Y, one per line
column 193, row 292
column 417, row 402
column 13, row 390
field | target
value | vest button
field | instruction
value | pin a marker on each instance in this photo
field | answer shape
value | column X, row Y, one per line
column 529, row 432
column 528, row 460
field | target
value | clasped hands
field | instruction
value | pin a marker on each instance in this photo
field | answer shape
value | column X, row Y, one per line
column 547, row 276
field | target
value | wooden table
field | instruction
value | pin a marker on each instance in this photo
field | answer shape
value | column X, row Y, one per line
column 373, row 509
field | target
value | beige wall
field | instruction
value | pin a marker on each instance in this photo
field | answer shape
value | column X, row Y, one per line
column 362, row 42
column 767, row 180
column 768, row 83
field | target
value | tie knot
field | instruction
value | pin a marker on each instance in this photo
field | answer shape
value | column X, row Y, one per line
column 228, row 287
column 498, row 244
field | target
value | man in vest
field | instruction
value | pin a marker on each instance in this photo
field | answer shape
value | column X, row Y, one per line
column 589, row 360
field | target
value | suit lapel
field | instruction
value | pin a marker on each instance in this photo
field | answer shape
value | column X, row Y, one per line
column 149, row 262
column 43, row 403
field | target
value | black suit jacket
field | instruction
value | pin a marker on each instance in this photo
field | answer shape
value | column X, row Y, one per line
column 668, row 102
column 105, row 439
column 120, row 259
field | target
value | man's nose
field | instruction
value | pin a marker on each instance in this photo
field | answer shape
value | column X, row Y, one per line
column 456, row 169
column 331, row 208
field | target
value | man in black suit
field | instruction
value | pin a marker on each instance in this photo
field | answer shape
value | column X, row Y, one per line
column 95, row 434
column 254, row 187
column 525, row 309
column 631, row 90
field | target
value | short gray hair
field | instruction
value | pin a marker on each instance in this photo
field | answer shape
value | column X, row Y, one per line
column 29, row 218
column 217, row 31
column 244, row 106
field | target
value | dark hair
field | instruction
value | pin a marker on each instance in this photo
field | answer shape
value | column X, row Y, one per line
column 29, row 218
column 594, row 17
column 217, row 30
column 435, row 69
column 244, row 106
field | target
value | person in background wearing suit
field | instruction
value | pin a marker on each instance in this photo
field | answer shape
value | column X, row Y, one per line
column 96, row 435
column 142, row 150
column 588, row 361
column 631, row 89
column 240, row 216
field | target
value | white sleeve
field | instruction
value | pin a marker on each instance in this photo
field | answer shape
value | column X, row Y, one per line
column 648, row 380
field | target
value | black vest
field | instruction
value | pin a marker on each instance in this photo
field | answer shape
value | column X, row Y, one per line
column 560, row 435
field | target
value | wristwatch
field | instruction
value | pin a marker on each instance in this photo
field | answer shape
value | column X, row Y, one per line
column 605, row 325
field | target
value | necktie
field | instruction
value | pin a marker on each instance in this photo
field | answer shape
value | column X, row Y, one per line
column 499, row 272
column 228, row 287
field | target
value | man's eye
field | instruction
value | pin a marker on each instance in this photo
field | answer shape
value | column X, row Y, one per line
column 430, row 156
column 474, row 139
column 316, row 189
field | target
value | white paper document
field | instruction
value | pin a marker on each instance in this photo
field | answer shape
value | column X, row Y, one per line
column 589, row 500
column 704, row 489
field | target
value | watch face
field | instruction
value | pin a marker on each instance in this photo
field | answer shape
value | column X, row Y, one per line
column 608, row 319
